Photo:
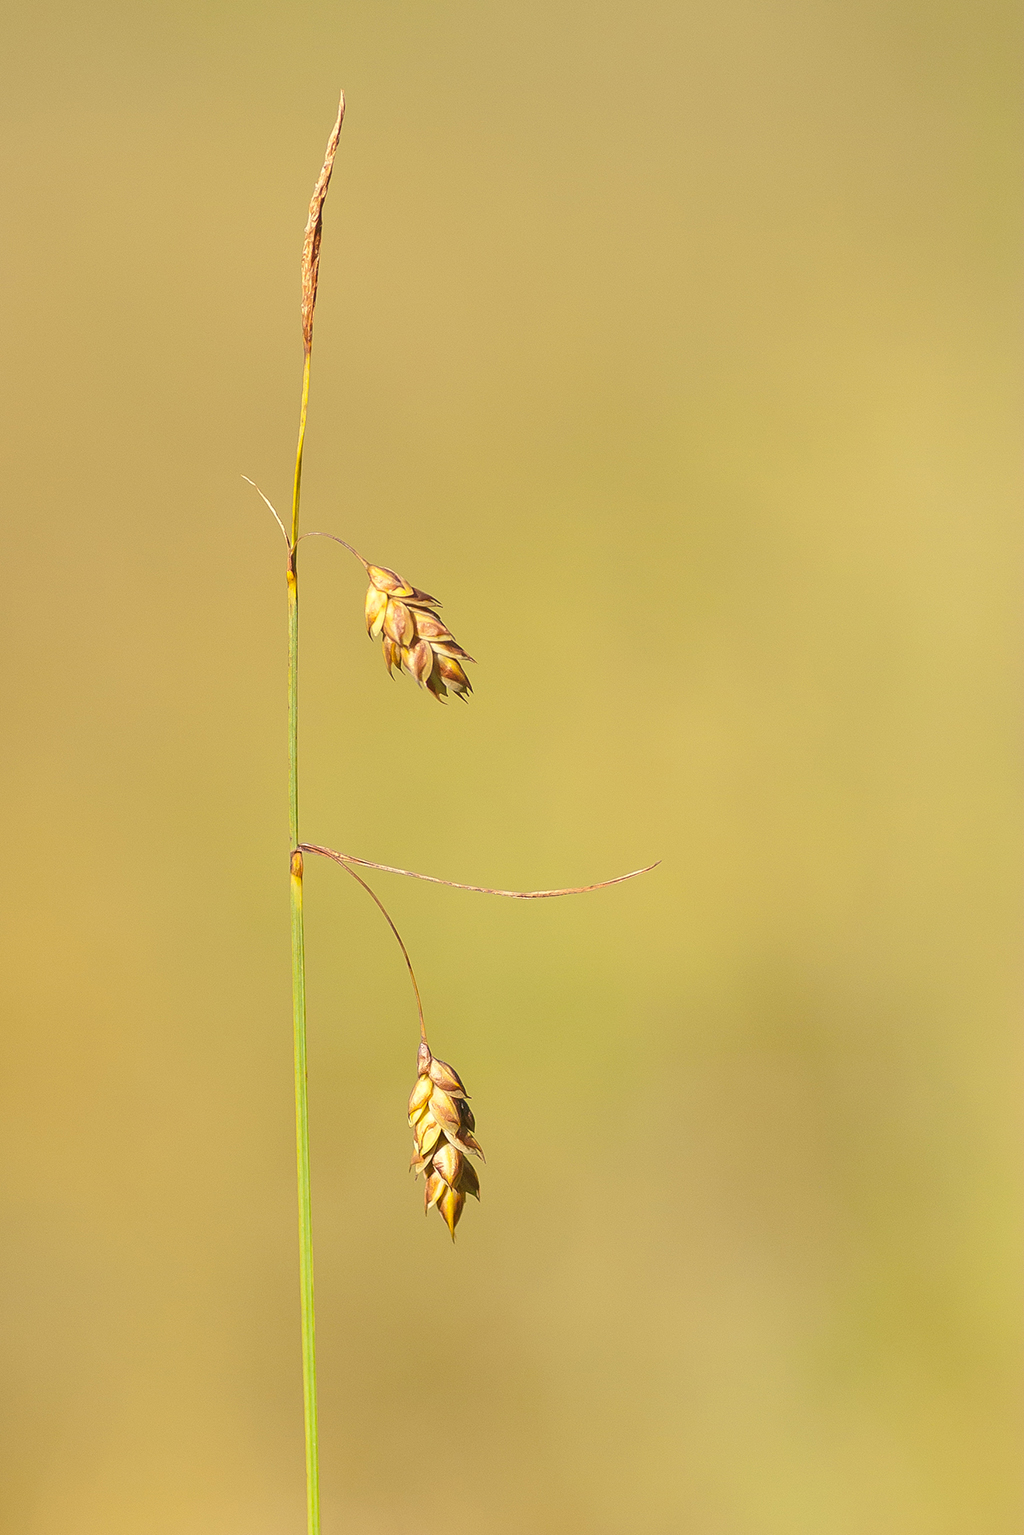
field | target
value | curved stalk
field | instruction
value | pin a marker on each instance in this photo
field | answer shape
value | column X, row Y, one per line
column 344, row 544
column 401, row 944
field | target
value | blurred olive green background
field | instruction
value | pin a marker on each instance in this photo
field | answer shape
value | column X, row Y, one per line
column 674, row 345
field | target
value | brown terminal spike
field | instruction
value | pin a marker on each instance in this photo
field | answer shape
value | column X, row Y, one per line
column 314, row 230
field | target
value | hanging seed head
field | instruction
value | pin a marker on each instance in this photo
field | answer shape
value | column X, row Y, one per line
column 413, row 636
column 442, row 1132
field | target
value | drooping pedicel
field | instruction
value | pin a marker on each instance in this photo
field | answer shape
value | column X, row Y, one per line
column 414, row 638
column 442, row 1131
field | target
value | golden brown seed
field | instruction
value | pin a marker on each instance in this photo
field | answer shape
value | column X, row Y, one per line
column 376, row 607
column 445, row 1110
column 398, row 624
column 428, row 625
column 418, row 1097
column 433, row 1188
column 449, row 648
column 427, row 1136
column 448, row 1162
column 452, row 674
column 450, row 1205
column 443, row 1075
column 418, row 660
column 387, row 581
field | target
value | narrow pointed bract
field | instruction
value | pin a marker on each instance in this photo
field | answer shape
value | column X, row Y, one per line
column 442, row 1129
column 414, row 638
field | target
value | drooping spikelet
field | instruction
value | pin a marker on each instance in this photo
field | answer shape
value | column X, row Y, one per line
column 442, row 1131
column 414, row 638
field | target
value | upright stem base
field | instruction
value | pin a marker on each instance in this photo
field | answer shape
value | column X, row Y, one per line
column 308, row 1319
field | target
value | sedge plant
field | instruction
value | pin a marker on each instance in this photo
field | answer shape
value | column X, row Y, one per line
column 415, row 641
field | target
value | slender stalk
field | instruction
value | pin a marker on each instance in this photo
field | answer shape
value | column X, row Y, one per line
column 297, row 483
column 401, row 942
column 310, row 267
column 308, row 1317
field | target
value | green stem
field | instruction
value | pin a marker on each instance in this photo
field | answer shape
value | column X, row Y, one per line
column 308, row 1320
column 297, row 485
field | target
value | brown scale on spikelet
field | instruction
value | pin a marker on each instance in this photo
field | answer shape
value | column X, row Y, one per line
column 442, row 1131
column 414, row 638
